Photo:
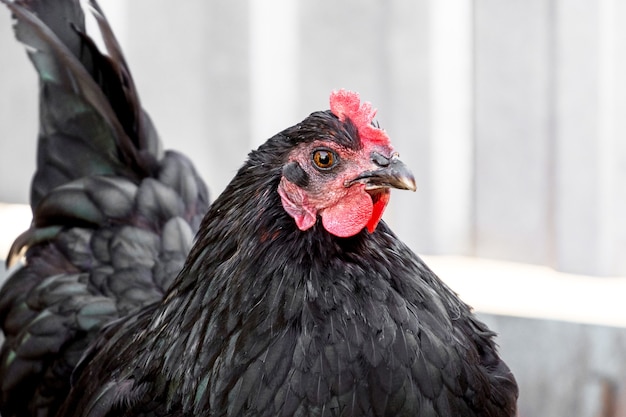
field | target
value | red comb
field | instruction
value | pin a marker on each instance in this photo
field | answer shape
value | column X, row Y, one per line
column 347, row 105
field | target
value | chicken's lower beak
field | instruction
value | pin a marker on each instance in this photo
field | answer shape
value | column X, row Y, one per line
column 395, row 174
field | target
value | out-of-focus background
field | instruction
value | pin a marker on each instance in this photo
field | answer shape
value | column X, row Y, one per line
column 511, row 113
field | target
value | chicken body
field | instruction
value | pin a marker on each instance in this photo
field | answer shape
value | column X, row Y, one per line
column 267, row 319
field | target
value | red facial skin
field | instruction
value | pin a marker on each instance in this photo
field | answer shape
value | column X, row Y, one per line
column 345, row 206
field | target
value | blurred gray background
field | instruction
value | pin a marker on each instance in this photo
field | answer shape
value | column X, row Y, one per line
column 511, row 113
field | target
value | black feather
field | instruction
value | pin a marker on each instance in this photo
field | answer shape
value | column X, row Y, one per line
column 81, row 98
column 114, row 217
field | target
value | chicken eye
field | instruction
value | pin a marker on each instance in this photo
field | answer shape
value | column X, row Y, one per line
column 324, row 159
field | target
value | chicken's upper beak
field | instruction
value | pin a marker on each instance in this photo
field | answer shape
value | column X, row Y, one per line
column 390, row 172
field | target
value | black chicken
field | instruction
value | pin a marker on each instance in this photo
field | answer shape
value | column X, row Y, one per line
column 113, row 216
column 296, row 300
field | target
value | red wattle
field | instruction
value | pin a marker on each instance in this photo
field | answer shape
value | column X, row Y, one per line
column 378, row 210
column 350, row 215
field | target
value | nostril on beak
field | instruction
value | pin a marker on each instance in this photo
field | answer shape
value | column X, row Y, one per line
column 380, row 160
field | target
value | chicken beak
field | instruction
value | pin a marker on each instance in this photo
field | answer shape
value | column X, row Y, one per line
column 392, row 173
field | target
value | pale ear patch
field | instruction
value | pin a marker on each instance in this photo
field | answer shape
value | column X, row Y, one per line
column 295, row 203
